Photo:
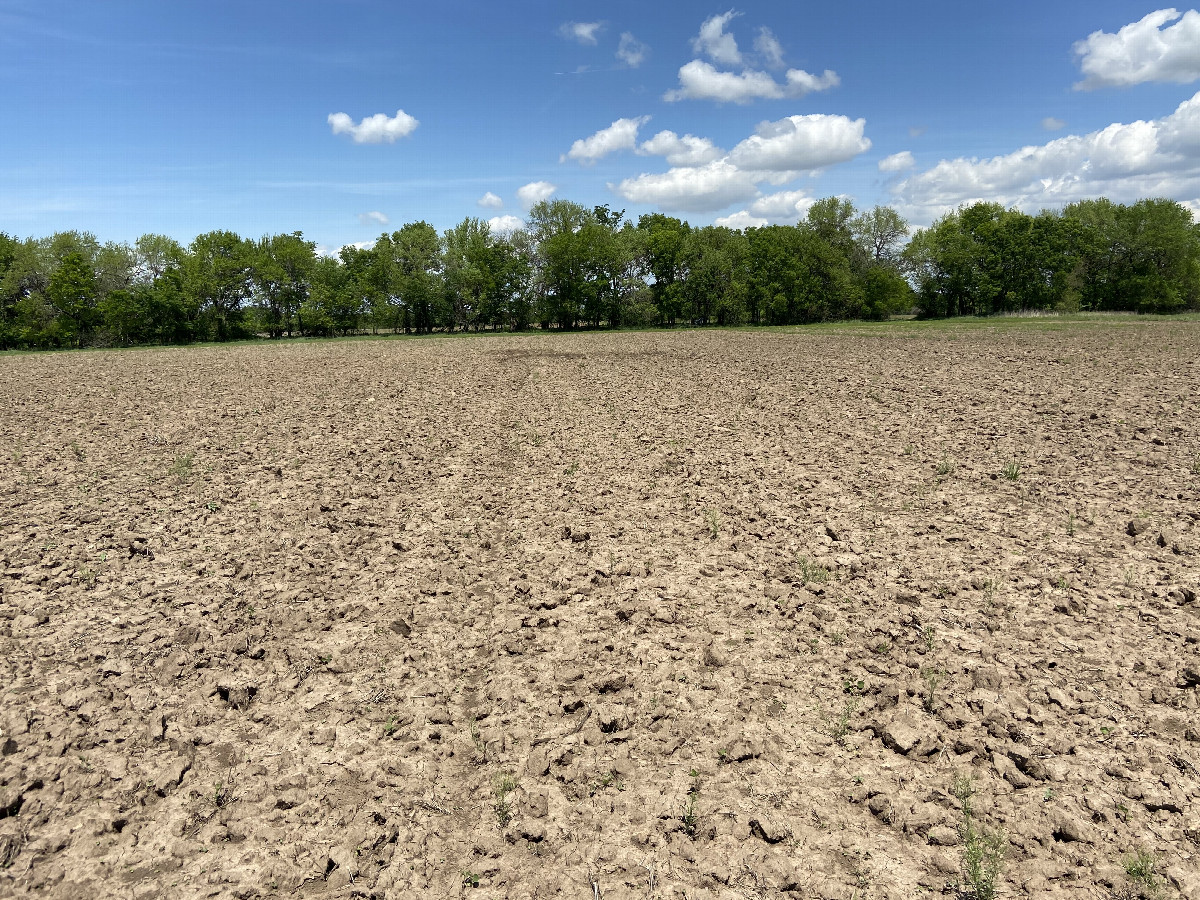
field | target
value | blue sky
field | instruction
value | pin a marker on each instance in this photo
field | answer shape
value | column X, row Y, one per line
column 345, row 119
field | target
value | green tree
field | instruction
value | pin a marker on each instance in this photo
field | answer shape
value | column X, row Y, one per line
column 880, row 234
column 561, row 262
column 74, row 294
column 715, row 285
column 282, row 268
column 799, row 276
column 662, row 251
column 218, row 279
column 470, row 273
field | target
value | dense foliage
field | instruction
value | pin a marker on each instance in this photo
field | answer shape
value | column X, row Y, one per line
column 1094, row 255
column 574, row 267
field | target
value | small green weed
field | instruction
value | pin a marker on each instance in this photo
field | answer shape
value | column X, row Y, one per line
column 933, row 680
column 1012, row 471
column 945, row 467
column 712, row 520
column 469, row 878
column 928, row 637
column 182, row 466
column 983, row 849
column 812, row 572
column 1140, row 867
column 503, row 785
column 690, row 818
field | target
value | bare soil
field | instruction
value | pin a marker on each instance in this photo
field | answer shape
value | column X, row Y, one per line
column 708, row 614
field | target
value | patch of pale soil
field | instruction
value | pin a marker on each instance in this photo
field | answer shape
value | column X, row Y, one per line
column 615, row 615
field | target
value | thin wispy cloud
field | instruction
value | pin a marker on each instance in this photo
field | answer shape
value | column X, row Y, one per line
column 631, row 51
column 587, row 33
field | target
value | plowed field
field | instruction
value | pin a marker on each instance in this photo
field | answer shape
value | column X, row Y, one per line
column 705, row 614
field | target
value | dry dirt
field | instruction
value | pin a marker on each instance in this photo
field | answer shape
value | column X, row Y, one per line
column 612, row 615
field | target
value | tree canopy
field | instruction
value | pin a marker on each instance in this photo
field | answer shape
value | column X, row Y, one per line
column 575, row 267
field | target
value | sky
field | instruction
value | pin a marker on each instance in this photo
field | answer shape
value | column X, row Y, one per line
column 346, row 119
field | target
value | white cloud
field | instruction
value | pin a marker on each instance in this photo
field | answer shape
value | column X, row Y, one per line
column 691, row 189
column 505, row 224
column 916, row 131
column 1142, row 51
column 801, row 143
column 583, row 32
column 620, row 135
column 374, row 129
column 688, row 150
column 777, row 153
column 897, row 162
column 699, row 80
column 740, row 220
column 782, row 208
column 490, row 201
column 1159, row 158
column 373, row 218
column 769, row 48
column 535, row 192
column 715, row 42
column 1052, row 124
column 631, row 51
column 788, row 206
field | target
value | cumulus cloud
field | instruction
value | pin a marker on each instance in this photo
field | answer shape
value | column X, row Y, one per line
column 535, row 192
column 693, row 188
column 620, row 135
column 801, row 143
column 784, row 207
column 781, row 208
column 1052, row 124
column 715, row 42
column 490, row 201
column 776, row 153
column 699, row 80
column 1142, row 51
column 741, row 220
column 631, row 51
column 897, row 162
column 373, row 218
column 688, row 150
column 376, row 129
column 1159, row 158
column 583, row 32
column 769, row 48
column 505, row 224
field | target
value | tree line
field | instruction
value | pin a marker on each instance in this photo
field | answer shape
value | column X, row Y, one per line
column 574, row 267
